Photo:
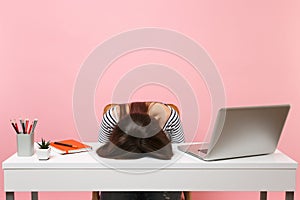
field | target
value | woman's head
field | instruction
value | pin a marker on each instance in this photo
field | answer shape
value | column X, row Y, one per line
column 137, row 135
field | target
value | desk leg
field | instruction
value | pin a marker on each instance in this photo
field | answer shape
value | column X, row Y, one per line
column 289, row 195
column 34, row 195
column 10, row 195
column 263, row 195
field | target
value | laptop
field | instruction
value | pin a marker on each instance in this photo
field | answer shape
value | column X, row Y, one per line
column 242, row 131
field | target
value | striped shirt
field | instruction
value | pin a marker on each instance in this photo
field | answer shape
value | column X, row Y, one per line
column 172, row 127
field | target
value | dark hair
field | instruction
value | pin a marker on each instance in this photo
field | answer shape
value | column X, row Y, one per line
column 137, row 135
column 134, row 107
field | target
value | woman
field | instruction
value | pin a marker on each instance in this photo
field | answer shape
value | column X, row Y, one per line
column 135, row 136
column 140, row 129
column 167, row 117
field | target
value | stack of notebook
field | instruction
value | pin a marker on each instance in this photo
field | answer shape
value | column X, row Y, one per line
column 69, row 146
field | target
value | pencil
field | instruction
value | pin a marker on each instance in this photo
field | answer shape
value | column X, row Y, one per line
column 29, row 131
column 26, row 125
column 34, row 125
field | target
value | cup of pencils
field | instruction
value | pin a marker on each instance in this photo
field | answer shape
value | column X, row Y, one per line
column 25, row 136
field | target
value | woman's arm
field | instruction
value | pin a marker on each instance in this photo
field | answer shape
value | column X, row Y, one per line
column 174, row 128
column 109, row 121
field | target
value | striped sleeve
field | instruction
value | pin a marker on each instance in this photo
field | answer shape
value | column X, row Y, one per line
column 107, row 125
column 174, row 128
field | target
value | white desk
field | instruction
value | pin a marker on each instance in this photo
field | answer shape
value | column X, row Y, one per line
column 82, row 172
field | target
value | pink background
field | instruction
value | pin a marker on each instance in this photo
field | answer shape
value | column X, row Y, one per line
column 255, row 45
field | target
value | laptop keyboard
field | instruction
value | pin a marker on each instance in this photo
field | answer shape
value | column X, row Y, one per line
column 203, row 150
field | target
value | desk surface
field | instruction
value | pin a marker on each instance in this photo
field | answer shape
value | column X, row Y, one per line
column 179, row 160
column 274, row 172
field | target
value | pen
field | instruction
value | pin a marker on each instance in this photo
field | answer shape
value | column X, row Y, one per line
column 13, row 125
column 23, row 125
column 15, row 122
column 67, row 145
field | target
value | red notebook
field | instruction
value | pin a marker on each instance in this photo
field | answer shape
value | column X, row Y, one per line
column 69, row 146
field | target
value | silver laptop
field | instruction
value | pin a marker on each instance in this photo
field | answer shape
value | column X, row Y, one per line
column 242, row 131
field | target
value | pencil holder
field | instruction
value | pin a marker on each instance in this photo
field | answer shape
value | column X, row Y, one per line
column 25, row 143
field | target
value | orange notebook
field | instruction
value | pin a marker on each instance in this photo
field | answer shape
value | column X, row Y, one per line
column 69, row 146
